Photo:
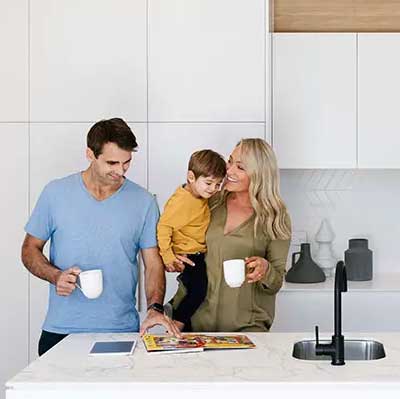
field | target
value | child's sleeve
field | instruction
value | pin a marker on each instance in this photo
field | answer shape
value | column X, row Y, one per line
column 175, row 216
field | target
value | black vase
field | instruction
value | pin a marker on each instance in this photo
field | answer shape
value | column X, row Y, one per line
column 305, row 270
column 358, row 260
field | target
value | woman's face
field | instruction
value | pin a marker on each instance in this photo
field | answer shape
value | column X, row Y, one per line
column 237, row 179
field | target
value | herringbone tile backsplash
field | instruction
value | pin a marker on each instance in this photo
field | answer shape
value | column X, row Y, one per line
column 357, row 203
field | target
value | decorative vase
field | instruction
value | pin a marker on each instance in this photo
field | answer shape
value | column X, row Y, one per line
column 305, row 270
column 358, row 260
column 324, row 256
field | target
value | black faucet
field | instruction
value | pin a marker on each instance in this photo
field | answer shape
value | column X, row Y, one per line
column 335, row 349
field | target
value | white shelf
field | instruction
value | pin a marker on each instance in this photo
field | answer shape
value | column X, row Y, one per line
column 381, row 282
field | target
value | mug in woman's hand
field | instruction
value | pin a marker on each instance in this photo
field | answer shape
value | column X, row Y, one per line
column 234, row 272
column 91, row 283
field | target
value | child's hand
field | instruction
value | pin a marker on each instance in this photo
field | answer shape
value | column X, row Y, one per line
column 171, row 267
column 175, row 266
column 178, row 264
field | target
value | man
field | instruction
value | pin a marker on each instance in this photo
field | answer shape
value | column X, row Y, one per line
column 97, row 219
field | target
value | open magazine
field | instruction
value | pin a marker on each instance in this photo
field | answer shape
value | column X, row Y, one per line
column 195, row 342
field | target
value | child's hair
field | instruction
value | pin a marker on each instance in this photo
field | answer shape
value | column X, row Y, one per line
column 207, row 163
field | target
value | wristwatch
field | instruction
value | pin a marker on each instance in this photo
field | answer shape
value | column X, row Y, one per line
column 157, row 307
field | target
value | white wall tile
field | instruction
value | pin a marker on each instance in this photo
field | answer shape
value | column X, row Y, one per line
column 170, row 147
column 206, row 60
column 88, row 60
column 56, row 151
column 13, row 213
column 14, row 60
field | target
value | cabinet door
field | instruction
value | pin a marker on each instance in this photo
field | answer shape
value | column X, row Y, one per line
column 378, row 108
column 314, row 100
column 14, row 277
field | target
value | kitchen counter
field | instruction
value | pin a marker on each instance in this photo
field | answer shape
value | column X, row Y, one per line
column 66, row 371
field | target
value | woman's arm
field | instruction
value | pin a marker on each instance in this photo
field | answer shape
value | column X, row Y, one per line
column 276, row 254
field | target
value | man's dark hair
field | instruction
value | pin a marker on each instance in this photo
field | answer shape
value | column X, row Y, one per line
column 113, row 130
column 207, row 163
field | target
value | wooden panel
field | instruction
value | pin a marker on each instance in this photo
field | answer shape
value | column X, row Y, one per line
column 336, row 16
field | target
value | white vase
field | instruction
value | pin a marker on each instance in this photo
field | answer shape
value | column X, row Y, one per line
column 324, row 256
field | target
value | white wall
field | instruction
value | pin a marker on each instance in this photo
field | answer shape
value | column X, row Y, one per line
column 185, row 74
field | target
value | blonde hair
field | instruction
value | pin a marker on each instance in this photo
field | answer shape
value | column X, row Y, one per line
column 270, row 210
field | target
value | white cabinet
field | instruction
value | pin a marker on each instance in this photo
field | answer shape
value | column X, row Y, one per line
column 14, row 60
column 88, row 60
column 206, row 60
column 14, row 277
column 378, row 100
column 314, row 100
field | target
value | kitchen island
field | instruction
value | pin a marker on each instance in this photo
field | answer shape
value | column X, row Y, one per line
column 67, row 371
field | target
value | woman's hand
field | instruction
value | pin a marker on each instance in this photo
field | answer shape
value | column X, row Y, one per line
column 257, row 267
column 178, row 265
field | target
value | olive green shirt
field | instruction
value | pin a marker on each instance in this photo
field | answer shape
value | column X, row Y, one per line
column 252, row 306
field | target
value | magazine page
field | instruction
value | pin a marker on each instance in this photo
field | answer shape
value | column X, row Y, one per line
column 168, row 343
column 226, row 341
column 198, row 342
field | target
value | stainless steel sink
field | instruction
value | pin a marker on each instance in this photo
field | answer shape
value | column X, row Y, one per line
column 354, row 349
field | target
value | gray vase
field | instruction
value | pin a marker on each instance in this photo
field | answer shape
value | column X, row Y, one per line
column 358, row 260
column 305, row 270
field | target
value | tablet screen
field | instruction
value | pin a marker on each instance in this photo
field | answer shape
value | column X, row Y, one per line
column 113, row 348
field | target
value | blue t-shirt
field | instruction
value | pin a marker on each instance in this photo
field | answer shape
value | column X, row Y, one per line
column 94, row 234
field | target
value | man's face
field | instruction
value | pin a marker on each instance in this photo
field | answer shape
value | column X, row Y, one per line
column 111, row 165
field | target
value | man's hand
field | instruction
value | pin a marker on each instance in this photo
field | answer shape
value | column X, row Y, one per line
column 154, row 318
column 66, row 281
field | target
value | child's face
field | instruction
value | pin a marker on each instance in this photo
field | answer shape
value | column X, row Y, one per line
column 204, row 187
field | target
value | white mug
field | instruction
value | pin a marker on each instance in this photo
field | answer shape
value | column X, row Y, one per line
column 91, row 283
column 234, row 272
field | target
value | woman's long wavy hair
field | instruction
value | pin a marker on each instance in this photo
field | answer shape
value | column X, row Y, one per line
column 261, row 166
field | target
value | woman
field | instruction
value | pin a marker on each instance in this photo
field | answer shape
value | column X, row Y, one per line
column 248, row 221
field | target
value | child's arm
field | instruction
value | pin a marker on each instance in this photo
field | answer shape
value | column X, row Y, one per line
column 175, row 216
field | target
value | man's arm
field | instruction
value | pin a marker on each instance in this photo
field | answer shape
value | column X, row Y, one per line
column 154, row 277
column 33, row 259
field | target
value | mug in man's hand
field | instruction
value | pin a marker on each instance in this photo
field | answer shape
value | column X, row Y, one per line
column 91, row 283
column 234, row 272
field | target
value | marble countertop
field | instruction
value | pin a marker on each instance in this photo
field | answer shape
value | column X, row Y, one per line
column 68, row 366
column 389, row 282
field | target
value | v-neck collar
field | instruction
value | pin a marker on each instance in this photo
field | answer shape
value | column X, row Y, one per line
column 92, row 197
column 225, row 218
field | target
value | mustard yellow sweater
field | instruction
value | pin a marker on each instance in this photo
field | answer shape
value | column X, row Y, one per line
column 183, row 225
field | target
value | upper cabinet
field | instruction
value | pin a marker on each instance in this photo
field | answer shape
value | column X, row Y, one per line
column 378, row 97
column 314, row 100
column 206, row 61
column 14, row 60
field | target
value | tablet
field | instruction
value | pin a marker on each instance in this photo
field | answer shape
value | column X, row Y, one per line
column 113, row 348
